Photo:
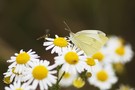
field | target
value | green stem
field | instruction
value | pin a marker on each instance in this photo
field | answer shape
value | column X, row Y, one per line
column 61, row 77
column 83, row 75
column 56, row 86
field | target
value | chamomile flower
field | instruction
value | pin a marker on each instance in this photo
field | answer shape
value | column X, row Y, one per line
column 67, row 79
column 78, row 82
column 17, row 86
column 11, row 75
column 72, row 60
column 22, row 60
column 40, row 74
column 122, row 53
column 119, row 68
column 90, row 64
column 119, row 52
column 103, row 77
column 103, row 56
column 58, row 44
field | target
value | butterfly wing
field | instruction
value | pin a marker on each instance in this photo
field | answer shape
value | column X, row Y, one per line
column 90, row 41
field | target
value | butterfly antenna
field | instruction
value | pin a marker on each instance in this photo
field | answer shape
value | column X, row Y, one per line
column 68, row 28
column 46, row 35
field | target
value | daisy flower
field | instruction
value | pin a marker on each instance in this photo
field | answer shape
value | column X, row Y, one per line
column 58, row 44
column 67, row 79
column 90, row 64
column 119, row 52
column 11, row 75
column 102, row 56
column 122, row 53
column 78, row 82
column 22, row 60
column 72, row 60
column 119, row 68
column 40, row 74
column 103, row 77
column 17, row 86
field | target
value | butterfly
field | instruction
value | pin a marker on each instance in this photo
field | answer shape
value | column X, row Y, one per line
column 90, row 41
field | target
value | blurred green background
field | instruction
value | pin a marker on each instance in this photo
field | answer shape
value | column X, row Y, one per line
column 23, row 21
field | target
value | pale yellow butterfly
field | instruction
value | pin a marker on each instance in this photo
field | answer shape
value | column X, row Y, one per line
column 90, row 41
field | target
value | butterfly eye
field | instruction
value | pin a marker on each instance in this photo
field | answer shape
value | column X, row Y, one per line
column 99, row 32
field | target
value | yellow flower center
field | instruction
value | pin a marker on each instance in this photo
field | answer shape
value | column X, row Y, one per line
column 90, row 61
column 98, row 56
column 79, row 82
column 7, row 80
column 119, row 68
column 19, row 89
column 88, row 74
column 120, row 50
column 22, row 58
column 40, row 72
column 61, row 42
column 71, row 58
column 66, row 75
column 102, row 75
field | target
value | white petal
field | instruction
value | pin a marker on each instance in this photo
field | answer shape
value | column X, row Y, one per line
column 49, row 47
column 53, row 50
column 50, row 39
column 41, row 85
column 56, row 36
column 47, row 43
column 12, row 65
column 35, row 84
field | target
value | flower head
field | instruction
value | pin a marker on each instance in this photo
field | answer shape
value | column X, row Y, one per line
column 119, row 51
column 17, row 86
column 57, row 45
column 67, row 79
column 78, row 82
column 40, row 73
column 90, row 64
column 103, row 56
column 103, row 77
column 71, row 60
column 22, row 60
column 11, row 75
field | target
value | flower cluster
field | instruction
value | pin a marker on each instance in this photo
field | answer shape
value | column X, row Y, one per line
column 71, row 66
column 27, row 68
